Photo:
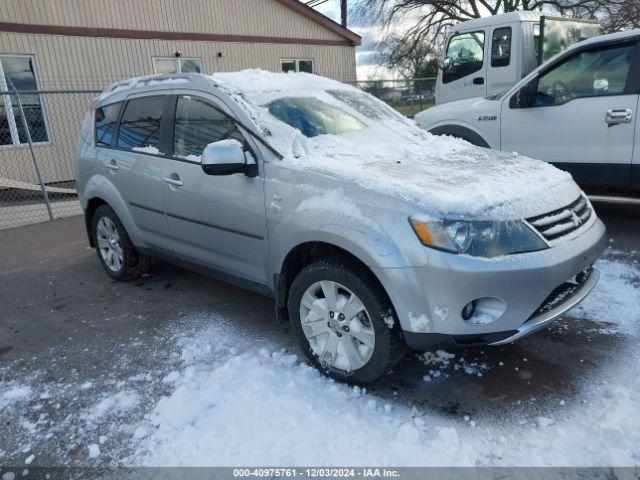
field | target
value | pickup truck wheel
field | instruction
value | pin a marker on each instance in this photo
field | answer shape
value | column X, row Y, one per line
column 115, row 250
column 344, row 322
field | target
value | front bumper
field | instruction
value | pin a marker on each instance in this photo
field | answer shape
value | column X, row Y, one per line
column 429, row 300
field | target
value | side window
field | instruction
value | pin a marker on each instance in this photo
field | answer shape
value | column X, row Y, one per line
column 501, row 47
column 596, row 72
column 467, row 52
column 106, row 118
column 198, row 124
column 140, row 125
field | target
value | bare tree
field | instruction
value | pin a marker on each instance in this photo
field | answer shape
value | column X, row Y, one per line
column 430, row 18
column 411, row 58
column 614, row 16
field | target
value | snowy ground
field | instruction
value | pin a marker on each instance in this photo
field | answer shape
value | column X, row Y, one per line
column 206, row 393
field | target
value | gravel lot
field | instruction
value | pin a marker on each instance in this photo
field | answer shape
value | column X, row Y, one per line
column 92, row 372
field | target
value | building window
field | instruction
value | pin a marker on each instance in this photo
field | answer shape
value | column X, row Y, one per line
column 18, row 71
column 298, row 65
column 169, row 65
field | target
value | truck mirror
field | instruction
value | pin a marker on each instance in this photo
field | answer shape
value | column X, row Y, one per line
column 524, row 97
column 446, row 64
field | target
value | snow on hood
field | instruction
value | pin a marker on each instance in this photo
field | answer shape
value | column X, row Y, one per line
column 442, row 176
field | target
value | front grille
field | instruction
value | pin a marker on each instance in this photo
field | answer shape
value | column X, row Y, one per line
column 563, row 221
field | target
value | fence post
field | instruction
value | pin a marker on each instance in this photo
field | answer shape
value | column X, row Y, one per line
column 33, row 153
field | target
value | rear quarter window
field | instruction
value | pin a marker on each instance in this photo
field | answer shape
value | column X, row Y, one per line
column 105, row 123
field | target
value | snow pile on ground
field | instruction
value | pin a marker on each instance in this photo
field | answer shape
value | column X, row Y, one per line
column 265, row 407
column 216, row 395
column 616, row 298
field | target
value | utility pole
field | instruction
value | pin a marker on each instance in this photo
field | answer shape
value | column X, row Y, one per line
column 343, row 11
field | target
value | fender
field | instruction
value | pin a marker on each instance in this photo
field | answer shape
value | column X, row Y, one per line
column 374, row 250
column 458, row 131
column 99, row 186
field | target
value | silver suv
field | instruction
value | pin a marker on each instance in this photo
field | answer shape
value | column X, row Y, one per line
column 371, row 234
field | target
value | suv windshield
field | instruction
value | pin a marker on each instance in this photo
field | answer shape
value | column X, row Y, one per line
column 313, row 117
column 363, row 104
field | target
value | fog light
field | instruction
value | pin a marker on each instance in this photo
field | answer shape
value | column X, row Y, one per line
column 468, row 310
column 483, row 311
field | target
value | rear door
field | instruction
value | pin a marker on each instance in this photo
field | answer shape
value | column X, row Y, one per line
column 133, row 163
column 216, row 221
column 583, row 116
column 467, row 76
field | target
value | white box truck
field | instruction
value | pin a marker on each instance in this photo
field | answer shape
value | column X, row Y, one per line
column 488, row 55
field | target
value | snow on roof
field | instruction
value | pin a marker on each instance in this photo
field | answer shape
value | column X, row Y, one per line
column 392, row 156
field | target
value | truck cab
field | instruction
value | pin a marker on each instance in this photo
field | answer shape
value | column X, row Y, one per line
column 488, row 55
column 577, row 111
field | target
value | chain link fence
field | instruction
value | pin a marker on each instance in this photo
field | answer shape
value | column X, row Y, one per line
column 38, row 131
column 408, row 96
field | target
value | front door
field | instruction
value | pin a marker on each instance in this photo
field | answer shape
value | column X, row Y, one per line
column 216, row 221
column 582, row 118
column 466, row 75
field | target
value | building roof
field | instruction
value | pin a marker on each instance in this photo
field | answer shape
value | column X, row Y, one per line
column 323, row 20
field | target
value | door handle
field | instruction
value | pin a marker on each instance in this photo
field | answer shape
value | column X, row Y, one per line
column 112, row 165
column 174, row 180
column 616, row 116
column 478, row 81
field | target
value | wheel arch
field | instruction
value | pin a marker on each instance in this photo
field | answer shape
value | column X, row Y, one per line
column 462, row 132
column 92, row 205
column 100, row 190
column 299, row 257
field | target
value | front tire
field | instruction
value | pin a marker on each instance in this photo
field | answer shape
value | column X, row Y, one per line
column 114, row 248
column 344, row 322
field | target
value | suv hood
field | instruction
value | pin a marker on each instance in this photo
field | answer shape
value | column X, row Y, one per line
column 442, row 176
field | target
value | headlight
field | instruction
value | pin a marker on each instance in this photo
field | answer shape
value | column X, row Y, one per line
column 480, row 239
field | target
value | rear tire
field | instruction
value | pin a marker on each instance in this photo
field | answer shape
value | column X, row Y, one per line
column 115, row 251
column 329, row 330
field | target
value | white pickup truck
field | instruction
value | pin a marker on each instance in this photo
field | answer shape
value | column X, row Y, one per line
column 575, row 111
column 490, row 54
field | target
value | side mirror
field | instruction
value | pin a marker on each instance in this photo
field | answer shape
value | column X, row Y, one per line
column 446, row 64
column 525, row 97
column 227, row 157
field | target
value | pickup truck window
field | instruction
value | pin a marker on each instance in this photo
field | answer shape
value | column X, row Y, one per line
column 467, row 52
column 596, row 72
column 501, row 47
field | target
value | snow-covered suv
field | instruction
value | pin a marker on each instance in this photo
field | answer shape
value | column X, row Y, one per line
column 575, row 111
column 371, row 234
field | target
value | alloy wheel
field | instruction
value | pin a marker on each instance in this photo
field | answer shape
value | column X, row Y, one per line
column 337, row 326
column 108, row 241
